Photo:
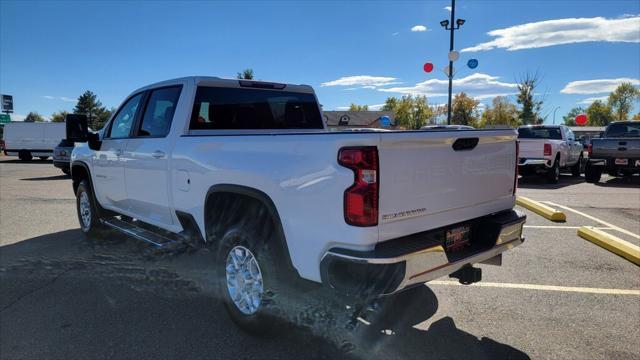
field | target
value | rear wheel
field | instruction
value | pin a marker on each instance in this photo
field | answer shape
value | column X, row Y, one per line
column 553, row 174
column 577, row 168
column 24, row 155
column 248, row 279
column 592, row 174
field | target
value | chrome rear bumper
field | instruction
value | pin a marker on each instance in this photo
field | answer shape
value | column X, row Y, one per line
column 374, row 272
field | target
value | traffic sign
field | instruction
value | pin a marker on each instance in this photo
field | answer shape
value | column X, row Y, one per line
column 5, row 118
column 7, row 103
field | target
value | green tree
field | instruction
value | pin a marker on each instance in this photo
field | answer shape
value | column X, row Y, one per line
column 530, row 111
column 59, row 116
column 88, row 104
column 502, row 112
column 409, row 112
column 246, row 74
column 356, row 107
column 599, row 114
column 33, row 117
column 464, row 110
column 621, row 100
column 570, row 118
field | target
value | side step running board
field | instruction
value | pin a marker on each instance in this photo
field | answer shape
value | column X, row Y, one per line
column 138, row 232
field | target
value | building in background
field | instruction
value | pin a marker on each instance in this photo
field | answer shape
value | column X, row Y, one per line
column 339, row 120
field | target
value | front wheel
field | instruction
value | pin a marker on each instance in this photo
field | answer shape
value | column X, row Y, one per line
column 577, row 168
column 24, row 155
column 87, row 210
column 553, row 174
column 592, row 174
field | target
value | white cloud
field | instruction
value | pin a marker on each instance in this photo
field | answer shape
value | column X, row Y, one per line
column 395, row 33
column 376, row 107
column 362, row 80
column 478, row 85
column 18, row 117
column 62, row 98
column 562, row 31
column 596, row 86
column 448, row 8
column 589, row 101
column 419, row 28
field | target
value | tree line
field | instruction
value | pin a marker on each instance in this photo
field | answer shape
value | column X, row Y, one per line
column 413, row 112
column 618, row 106
column 87, row 104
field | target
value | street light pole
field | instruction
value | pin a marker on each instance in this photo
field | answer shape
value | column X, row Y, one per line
column 453, row 16
column 554, row 114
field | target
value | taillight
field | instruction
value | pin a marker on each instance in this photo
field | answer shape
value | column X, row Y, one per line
column 361, row 198
column 547, row 149
column 515, row 180
column 589, row 149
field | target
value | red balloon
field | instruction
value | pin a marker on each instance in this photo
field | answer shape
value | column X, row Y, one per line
column 581, row 119
column 428, row 67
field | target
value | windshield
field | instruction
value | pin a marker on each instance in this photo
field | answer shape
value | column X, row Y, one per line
column 631, row 129
column 539, row 133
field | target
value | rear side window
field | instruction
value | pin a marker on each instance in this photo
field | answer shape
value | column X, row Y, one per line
column 158, row 114
column 218, row 108
column 539, row 133
column 624, row 130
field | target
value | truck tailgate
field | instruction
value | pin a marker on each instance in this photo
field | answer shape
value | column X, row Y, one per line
column 616, row 147
column 426, row 184
column 531, row 148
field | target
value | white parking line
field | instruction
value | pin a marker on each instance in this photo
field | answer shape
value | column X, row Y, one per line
column 617, row 228
column 541, row 287
column 561, row 227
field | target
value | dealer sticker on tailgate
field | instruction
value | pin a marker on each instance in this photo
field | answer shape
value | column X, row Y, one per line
column 622, row 161
column 457, row 238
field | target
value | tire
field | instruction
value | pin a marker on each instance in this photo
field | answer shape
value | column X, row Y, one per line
column 43, row 158
column 24, row 155
column 592, row 174
column 576, row 169
column 245, row 254
column 88, row 215
column 553, row 174
column 66, row 171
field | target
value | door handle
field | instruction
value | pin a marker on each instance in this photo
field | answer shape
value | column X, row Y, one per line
column 158, row 154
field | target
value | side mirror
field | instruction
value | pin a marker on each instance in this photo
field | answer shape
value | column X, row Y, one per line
column 77, row 129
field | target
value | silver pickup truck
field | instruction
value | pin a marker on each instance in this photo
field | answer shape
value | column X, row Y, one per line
column 617, row 152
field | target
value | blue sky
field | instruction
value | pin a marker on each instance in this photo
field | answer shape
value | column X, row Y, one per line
column 362, row 52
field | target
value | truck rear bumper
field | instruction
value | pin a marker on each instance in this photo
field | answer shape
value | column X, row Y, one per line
column 401, row 263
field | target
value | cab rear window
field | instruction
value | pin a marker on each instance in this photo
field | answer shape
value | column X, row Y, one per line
column 624, row 130
column 218, row 108
column 539, row 133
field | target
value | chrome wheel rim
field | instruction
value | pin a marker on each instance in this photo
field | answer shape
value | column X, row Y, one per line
column 244, row 280
column 85, row 210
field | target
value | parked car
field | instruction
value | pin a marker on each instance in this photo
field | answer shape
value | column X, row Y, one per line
column 617, row 152
column 249, row 170
column 62, row 156
column 547, row 150
column 29, row 139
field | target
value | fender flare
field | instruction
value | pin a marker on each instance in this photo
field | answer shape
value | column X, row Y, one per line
column 281, row 241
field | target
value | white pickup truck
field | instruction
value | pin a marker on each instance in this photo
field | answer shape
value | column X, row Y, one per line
column 548, row 149
column 248, row 169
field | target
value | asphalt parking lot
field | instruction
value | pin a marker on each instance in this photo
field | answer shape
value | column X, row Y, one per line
column 556, row 296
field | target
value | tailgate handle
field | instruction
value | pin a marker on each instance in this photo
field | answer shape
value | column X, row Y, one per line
column 622, row 143
column 465, row 144
column 622, row 149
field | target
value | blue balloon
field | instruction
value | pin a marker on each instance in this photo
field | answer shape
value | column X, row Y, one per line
column 385, row 121
column 472, row 63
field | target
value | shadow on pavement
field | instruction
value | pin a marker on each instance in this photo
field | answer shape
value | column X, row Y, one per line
column 540, row 182
column 46, row 178
column 12, row 160
column 107, row 298
column 621, row 182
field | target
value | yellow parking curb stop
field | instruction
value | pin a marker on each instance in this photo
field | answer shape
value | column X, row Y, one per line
column 612, row 243
column 541, row 209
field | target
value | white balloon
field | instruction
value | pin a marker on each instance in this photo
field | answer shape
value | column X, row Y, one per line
column 446, row 70
column 454, row 55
